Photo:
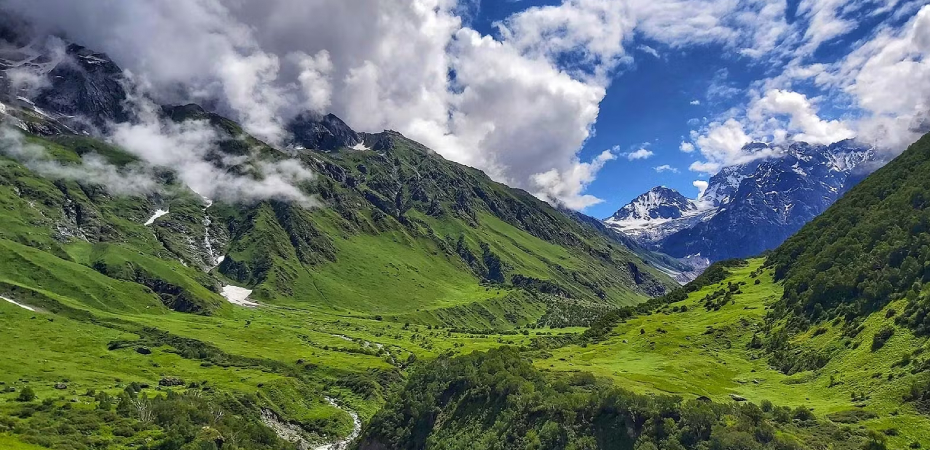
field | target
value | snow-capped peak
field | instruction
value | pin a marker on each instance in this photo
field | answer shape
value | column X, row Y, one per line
column 658, row 213
column 659, row 203
column 747, row 208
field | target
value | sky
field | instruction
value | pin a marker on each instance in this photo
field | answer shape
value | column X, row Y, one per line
column 584, row 103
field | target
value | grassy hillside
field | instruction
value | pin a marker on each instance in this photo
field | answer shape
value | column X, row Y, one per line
column 423, row 232
column 72, row 348
column 705, row 346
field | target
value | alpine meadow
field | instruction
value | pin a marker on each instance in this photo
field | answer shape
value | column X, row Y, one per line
column 197, row 253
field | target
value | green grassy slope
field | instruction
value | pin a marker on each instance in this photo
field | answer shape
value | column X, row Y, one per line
column 499, row 400
column 687, row 349
column 446, row 223
column 281, row 359
column 399, row 231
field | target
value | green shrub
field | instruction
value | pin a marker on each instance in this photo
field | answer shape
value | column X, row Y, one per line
column 26, row 395
column 880, row 337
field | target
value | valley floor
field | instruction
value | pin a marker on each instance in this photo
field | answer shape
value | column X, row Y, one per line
column 292, row 361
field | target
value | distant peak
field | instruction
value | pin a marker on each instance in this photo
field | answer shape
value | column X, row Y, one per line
column 659, row 202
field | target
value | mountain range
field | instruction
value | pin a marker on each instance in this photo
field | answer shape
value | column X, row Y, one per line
column 748, row 208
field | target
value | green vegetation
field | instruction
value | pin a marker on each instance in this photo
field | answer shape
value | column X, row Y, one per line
column 498, row 400
column 729, row 353
column 408, row 258
column 869, row 249
column 447, row 311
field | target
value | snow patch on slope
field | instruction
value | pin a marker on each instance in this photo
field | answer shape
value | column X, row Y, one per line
column 158, row 213
column 238, row 296
column 29, row 308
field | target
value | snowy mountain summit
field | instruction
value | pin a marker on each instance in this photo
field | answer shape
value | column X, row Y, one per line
column 656, row 214
column 746, row 208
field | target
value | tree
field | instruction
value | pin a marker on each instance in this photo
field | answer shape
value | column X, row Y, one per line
column 26, row 395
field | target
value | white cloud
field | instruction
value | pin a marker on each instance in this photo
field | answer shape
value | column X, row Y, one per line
column 803, row 118
column 93, row 169
column 825, row 21
column 314, row 78
column 649, row 50
column 889, row 78
column 720, row 87
column 566, row 187
column 766, row 26
column 185, row 148
column 701, row 185
column 517, row 106
column 665, row 168
column 695, row 102
column 642, row 153
column 723, row 143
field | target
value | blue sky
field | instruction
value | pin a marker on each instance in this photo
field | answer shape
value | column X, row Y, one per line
column 657, row 97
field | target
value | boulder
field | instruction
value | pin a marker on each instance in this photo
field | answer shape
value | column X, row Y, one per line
column 171, row 381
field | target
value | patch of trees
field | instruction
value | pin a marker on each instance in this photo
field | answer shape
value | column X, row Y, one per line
column 498, row 400
column 601, row 327
column 870, row 248
column 194, row 418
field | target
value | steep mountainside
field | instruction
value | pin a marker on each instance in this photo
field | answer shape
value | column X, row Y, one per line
column 383, row 199
column 752, row 207
column 867, row 250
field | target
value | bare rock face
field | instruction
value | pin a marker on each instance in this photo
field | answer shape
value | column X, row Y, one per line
column 85, row 84
column 170, row 381
column 318, row 132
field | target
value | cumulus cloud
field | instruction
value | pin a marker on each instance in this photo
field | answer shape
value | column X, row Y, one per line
column 883, row 84
column 695, row 103
column 566, row 187
column 888, row 77
column 665, row 168
column 518, row 105
column 722, row 144
column 93, row 169
column 803, row 118
column 779, row 117
column 315, row 72
column 642, row 153
column 701, row 186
